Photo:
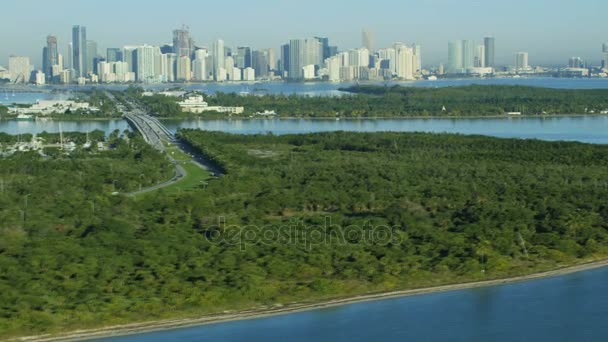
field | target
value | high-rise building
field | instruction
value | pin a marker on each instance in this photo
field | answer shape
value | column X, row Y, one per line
column 605, row 60
column 324, row 49
column 129, row 55
column 19, row 69
column 79, row 49
column 145, row 56
column 417, row 57
column 183, row 44
column 50, row 57
column 368, row 40
column 521, row 61
column 171, row 67
column 605, row 47
column 284, row 68
column 243, row 57
column 576, row 62
column 199, row 66
column 114, row 55
column 260, row 62
column 70, row 60
column 91, row 56
column 272, row 60
column 480, row 56
column 489, row 45
column 218, row 59
column 296, row 59
column 184, row 69
column 468, row 54
column 455, row 54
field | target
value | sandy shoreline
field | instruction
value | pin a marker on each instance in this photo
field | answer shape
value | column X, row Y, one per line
column 137, row 328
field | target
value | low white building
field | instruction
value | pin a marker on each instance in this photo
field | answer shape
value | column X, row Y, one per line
column 196, row 104
column 51, row 106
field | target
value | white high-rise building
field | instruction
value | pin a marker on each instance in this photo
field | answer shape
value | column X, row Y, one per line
column 19, row 69
column 199, row 66
column 358, row 57
column 332, row 65
column 218, row 59
column 308, row 72
column 521, row 61
column 184, row 69
column 404, row 62
column 455, row 63
column 160, row 66
column 248, row 74
column 236, row 74
column 40, row 78
column 171, row 67
column 146, row 63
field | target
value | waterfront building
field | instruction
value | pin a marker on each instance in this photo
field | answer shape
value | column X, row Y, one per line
column 91, row 56
column 50, row 56
column 260, row 63
column 284, row 65
column 308, row 72
column 183, row 69
column 146, row 63
column 40, row 78
column 455, row 54
column 248, row 74
column 79, row 50
column 196, row 104
column 243, row 57
column 521, row 61
column 218, row 60
column 199, row 67
column 576, row 62
column 171, row 67
column 19, row 69
column 468, row 54
column 480, row 56
column 489, row 45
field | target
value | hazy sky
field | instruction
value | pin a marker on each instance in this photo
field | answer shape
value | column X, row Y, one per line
column 550, row 30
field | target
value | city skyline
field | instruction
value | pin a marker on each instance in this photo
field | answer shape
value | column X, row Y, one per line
column 432, row 25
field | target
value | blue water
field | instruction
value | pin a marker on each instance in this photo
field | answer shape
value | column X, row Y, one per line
column 308, row 88
column 573, row 307
column 590, row 129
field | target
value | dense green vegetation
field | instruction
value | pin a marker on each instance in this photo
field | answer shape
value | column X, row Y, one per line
column 452, row 207
column 399, row 101
column 487, row 99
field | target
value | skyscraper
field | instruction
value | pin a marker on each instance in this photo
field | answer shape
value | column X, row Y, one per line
column 183, row 45
column 468, row 54
column 455, row 63
column 480, row 56
column 91, row 56
column 70, row 61
column 296, row 59
column 51, row 56
column 113, row 55
column 324, row 49
column 521, row 61
column 145, row 56
column 368, row 40
column 260, row 62
column 243, row 57
column 79, row 49
column 488, row 43
column 284, row 59
column 218, row 58
column 19, row 69
column 605, row 47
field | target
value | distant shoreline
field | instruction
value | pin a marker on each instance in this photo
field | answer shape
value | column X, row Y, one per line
column 170, row 324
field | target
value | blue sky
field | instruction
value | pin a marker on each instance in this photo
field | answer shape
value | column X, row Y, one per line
column 550, row 30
